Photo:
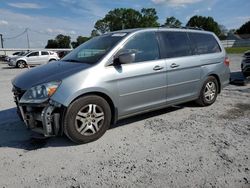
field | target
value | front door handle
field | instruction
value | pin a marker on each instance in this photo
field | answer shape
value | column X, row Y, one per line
column 157, row 67
column 173, row 65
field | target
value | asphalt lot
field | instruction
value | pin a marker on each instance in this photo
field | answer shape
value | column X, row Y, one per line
column 181, row 146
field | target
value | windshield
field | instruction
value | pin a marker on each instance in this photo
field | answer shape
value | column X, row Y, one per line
column 22, row 53
column 93, row 50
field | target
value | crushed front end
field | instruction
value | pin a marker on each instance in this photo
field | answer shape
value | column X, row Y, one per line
column 41, row 116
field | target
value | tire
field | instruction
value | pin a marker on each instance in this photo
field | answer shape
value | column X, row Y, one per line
column 87, row 119
column 21, row 64
column 51, row 60
column 209, row 92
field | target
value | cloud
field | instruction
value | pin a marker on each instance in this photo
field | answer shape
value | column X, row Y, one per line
column 82, row 7
column 3, row 22
column 49, row 30
column 176, row 3
column 25, row 5
column 41, row 28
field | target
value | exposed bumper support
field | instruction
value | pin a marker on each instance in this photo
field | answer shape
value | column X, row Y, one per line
column 44, row 120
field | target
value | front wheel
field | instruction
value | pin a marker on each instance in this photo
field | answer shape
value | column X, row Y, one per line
column 87, row 119
column 209, row 92
column 21, row 64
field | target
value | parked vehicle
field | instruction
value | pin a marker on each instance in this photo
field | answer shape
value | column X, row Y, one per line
column 33, row 58
column 245, row 64
column 121, row 74
column 15, row 54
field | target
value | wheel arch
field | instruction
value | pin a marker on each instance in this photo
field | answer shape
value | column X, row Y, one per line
column 21, row 60
column 105, row 97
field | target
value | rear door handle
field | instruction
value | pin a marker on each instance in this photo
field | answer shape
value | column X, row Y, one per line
column 157, row 67
column 173, row 65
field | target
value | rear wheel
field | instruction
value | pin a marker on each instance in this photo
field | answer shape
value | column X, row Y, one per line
column 21, row 64
column 209, row 92
column 87, row 119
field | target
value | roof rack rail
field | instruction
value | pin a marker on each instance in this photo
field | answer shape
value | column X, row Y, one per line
column 182, row 27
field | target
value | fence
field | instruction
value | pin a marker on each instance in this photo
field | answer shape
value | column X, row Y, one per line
column 236, row 43
column 8, row 51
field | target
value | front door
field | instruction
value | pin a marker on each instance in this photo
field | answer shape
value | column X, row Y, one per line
column 33, row 58
column 141, row 83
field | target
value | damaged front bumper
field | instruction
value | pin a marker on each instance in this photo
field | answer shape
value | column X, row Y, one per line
column 42, row 118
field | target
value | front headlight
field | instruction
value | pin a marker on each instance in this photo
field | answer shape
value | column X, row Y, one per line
column 40, row 93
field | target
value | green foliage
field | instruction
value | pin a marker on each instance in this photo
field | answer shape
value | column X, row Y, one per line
column 61, row 41
column 172, row 22
column 244, row 29
column 237, row 50
column 149, row 18
column 94, row 33
column 79, row 41
column 126, row 18
column 206, row 23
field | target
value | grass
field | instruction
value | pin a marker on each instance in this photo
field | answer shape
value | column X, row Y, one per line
column 237, row 50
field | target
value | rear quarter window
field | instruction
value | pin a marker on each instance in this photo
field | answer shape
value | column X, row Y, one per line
column 204, row 43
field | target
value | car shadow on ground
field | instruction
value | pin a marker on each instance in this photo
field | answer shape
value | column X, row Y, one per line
column 14, row 134
column 238, row 79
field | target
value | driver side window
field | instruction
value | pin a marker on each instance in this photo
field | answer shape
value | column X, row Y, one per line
column 144, row 45
column 33, row 54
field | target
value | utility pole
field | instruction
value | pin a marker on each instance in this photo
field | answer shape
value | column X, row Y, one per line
column 28, row 40
column 1, row 37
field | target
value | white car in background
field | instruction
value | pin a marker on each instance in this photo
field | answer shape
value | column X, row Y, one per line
column 33, row 58
column 15, row 54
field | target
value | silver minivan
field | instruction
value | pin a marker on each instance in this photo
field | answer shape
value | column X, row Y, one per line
column 121, row 74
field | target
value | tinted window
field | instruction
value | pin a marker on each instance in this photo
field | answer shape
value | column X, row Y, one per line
column 176, row 44
column 33, row 54
column 144, row 45
column 204, row 43
column 45, row 53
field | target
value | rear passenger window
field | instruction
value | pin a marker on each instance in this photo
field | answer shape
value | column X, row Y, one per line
column 45, row 53
column 144, row 45
column 204, row 43
column 176, row 44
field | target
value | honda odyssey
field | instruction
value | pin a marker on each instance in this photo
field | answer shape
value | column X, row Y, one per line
column 121, row 74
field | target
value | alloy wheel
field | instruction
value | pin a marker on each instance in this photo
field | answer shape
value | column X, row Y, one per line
column 89, row 119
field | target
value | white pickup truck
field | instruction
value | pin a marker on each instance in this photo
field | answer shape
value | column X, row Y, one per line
column 33, row 58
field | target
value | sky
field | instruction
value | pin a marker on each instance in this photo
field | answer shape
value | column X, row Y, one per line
column 46, row 19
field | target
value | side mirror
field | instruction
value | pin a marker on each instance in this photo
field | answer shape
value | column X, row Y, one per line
column 125, row 58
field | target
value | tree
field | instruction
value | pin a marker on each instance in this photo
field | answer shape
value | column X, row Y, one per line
column 61, row 41
column 244, row 29
column 149, row 18
column 51, row 44
column 206, row 23
column 126, row 18
column 79, row 41
column 172, row 22
column 94, row 33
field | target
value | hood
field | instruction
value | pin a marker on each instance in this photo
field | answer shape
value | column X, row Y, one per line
column 46, row 73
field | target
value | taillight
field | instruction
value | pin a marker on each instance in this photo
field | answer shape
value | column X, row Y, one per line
column 226, row 61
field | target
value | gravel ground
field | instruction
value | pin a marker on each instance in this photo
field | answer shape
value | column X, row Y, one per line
column 181, row 146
